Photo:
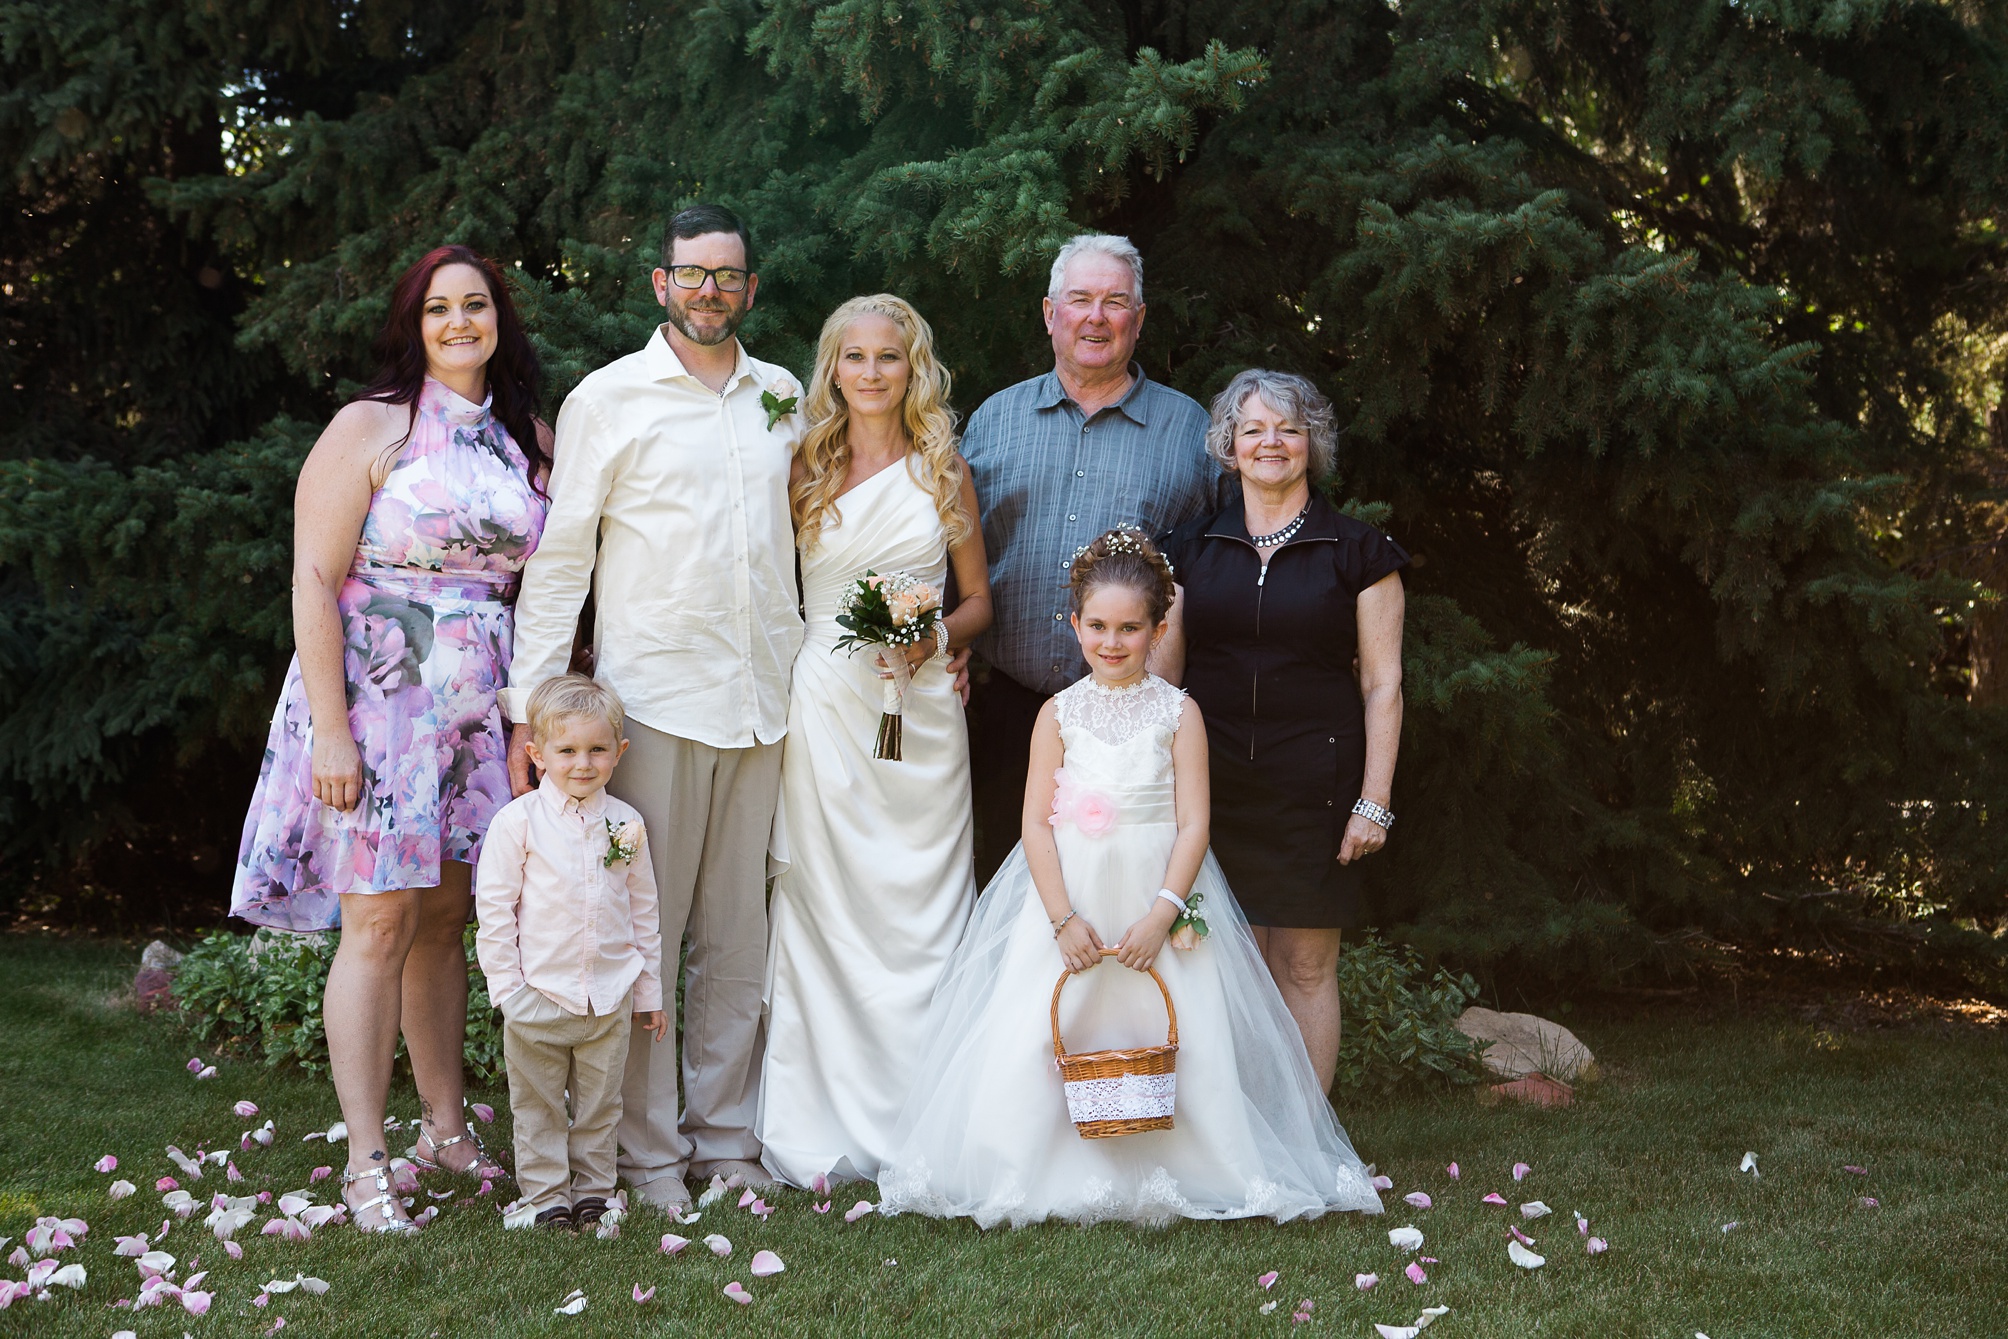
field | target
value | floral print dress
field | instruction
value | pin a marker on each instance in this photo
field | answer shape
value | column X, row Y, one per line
column 428, row 625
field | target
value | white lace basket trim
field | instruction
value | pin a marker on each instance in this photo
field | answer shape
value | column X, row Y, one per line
column 1125, row 1097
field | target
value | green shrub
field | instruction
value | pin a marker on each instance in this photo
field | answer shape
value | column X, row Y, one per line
column 271, row 1000
column 1398, row 1020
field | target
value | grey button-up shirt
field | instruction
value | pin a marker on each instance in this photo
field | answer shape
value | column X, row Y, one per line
column 1049, row 481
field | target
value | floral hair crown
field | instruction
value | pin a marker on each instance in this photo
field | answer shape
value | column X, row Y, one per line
column 1126, row 539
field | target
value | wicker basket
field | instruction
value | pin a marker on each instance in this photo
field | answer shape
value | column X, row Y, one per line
column 1119, row 1092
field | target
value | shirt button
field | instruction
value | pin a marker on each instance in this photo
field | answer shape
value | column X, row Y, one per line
column 1332, row 740
column 1080, row 474
column 1073, row 518
column 1328, row 804
column 1057, row 618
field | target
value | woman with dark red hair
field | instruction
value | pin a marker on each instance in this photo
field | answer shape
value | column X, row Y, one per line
column 388, row 755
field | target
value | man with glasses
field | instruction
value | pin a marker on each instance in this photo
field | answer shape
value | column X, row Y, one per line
column 669, row 502
column 1058, row 460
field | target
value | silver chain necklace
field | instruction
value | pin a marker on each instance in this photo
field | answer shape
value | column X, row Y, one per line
column 1285, row 535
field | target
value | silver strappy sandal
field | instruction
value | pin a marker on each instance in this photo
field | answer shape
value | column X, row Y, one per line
column 483, row 1168
column 385, row 1202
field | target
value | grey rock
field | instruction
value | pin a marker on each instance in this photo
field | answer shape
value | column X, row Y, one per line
column 159, row 957
column 1523, row 1044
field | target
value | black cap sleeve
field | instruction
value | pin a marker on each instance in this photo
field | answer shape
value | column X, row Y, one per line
column 1368, row 555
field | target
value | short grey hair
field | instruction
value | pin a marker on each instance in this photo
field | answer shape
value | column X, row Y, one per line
column 1290, row 395
column 1097, row 244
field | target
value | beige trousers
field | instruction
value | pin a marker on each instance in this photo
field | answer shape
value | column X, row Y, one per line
column 551, row 1052
column 709, row 813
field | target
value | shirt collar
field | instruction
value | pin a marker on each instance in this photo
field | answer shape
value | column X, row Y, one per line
column 592, row 806
column 664, row 365
column 1052, row 394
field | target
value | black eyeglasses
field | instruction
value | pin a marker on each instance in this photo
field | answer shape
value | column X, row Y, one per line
column 693, row 276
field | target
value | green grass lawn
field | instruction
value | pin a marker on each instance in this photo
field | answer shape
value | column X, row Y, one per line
column 1649, row 1154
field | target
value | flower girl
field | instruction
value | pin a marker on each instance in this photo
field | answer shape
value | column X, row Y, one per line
column 1114, row 854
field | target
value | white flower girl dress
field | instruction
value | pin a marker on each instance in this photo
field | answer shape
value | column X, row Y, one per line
column 986, row 1131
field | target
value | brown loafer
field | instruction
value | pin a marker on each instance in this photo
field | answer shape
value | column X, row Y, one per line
column 588, row 1211
column 559, row 1217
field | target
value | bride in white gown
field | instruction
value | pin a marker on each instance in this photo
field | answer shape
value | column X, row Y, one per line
column 878, row 876
column 988, row 1132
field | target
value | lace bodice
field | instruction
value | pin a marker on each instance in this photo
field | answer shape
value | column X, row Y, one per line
column 1119, row 736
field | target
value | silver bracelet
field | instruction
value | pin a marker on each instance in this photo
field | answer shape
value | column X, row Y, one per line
column 1061, row 924
column 1373, row 813
column 940, row 640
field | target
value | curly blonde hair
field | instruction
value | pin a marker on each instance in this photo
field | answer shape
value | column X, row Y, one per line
column 930, row 425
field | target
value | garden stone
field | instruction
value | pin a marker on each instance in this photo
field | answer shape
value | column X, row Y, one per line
column 153, row 987
column 1523, row 1044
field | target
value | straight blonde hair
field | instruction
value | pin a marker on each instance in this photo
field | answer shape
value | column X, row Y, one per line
column 929, row 422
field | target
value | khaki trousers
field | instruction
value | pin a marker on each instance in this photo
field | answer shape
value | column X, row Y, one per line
column 709, row 813
column 551, row 1052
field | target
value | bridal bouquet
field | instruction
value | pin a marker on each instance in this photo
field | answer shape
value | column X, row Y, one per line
column 889, row 612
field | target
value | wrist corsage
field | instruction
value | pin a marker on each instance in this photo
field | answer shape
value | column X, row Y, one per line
column 1190, row 927
column 623, row 842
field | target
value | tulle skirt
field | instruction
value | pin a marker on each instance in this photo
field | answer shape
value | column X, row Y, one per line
column 986, row 1133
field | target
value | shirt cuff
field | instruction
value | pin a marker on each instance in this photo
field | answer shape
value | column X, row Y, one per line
column 647, row 999
column 515, row 705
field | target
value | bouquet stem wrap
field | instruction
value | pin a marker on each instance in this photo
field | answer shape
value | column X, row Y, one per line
column 892, row 699
column 889, row 613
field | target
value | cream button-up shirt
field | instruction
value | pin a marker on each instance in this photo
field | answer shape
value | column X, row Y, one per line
column 678, row 496
column 556, row 917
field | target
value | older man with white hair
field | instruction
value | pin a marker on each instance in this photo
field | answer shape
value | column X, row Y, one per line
column 1058, row 460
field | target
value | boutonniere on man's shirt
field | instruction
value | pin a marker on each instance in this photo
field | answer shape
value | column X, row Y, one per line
column 773, row 402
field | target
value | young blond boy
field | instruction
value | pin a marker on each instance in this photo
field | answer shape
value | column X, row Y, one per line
column 570, row 943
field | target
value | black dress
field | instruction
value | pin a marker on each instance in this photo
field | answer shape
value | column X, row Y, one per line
column 1269, row 660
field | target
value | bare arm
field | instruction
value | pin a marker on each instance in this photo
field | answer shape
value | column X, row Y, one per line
column 1192, row 799
column 1080, row 946
column 1380, row 609
column 330, row 503
column 1167, row 658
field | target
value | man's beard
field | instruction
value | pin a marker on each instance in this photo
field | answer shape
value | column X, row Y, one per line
column 679, row 316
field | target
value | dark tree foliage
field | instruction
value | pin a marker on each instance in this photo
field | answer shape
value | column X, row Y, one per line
column 1667, row 333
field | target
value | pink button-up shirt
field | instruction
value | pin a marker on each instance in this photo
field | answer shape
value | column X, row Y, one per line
column 556, row 917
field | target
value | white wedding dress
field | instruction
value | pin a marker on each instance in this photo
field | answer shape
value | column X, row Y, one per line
column 878, row 875
column 986, row 1132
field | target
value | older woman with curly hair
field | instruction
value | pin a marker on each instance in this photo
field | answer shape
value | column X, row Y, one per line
column 1287, row 632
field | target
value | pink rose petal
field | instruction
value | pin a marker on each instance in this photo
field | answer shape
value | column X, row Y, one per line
column 1858, row 1171
column 482, row 1112
column 641, row 1296
column 819, row 1184
column 1520, row 1170
column 765, row 1264
column 1418, row 1199
column 1383, row 1183
column 206, row 1072
column 673, row 1244
column 1454, row 1173
column 1365, row 1281
column 278, row 1324
column 1596, row 1246
column 857, row 1211
column 1268, row 1280
column 196, row 1303
column 195, row 1065
column 738, row 1294
column 166, row 1183
column 824, row 1207
column 1520, row 1236
column 245, row 1109
column 231, row 1173
column 262, row 1299
column 747, row 1198
column 1870, row 1202
column 107, row 1163
column 233, row 1250
column 720, row 1246
column 1415, row 1274
column 487, row 1187
column 320, row 1174
column 1494, row 1198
